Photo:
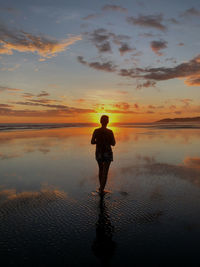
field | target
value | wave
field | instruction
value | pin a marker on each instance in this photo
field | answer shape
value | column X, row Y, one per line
column 41, row 126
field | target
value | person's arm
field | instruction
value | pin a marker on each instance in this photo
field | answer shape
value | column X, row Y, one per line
column 93, row 140
column 113, row 142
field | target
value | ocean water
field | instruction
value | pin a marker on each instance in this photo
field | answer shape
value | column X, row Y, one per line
column 50, row 213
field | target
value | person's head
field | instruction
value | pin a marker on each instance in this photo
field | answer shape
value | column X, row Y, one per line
column 104, row 120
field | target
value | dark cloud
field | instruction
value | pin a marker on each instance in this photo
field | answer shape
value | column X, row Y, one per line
column 102, row 39
column 40, row 104
column 120, row 111
column 173, row 20
column 171, row 59
column 146, row 84
column 21, row 41
column 150, row 21
column 56, row 112
column 5, row 106
column 193, row 81
column 104, row 47
column 125, row 48
column 189, row 70
column 43, row 93
column 114, row 8
column 107, row 66
column 191, row 12
column 156, row 46
column 149, row 35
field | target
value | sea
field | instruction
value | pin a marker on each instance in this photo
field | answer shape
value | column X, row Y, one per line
column 51, row 213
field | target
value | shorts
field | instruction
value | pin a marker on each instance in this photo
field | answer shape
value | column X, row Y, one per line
column 105, row 156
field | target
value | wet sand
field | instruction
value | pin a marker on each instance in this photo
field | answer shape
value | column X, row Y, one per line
column 51, row 215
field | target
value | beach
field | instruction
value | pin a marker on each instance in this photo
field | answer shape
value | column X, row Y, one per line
column 50, row 212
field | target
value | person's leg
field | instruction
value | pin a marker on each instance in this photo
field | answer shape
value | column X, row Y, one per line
column 106, row 166
column 100, row 163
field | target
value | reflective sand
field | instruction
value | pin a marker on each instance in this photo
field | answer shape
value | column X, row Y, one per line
column 50, row 213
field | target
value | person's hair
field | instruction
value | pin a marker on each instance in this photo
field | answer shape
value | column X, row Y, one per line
column 104, row 119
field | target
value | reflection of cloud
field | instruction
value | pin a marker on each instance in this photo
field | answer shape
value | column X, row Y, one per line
column 11, row 200
column 150, row 21
column 192, row 162
column 13, row 40
column 188, row 170
column 8, row 156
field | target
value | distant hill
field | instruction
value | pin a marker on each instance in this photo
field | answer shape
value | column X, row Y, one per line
column 194, row 119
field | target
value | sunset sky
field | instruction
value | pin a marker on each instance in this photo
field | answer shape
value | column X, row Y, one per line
column 71, row 61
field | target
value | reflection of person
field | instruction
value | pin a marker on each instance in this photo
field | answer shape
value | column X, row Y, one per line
column 104, row 139
column 103, row 245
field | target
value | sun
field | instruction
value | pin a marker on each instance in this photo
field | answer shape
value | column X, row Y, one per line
column 113, row 118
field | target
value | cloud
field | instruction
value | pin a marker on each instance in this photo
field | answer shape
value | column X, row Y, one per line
column 149, row 21
column 43, row 93
column 191, row 12
column 122, row 105
column 193, row 81
column 107, row 66
column 92, row 16
column 27, row 95
column 114, row 8
column 4, row 88
column 156, row 46
column 125, row 48
column 21, row 41
column 80, row 100
column 136, row 106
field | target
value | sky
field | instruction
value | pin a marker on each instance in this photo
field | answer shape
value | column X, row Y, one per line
column 72, row 61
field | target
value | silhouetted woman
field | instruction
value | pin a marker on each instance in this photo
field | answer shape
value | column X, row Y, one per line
column 104, row 139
